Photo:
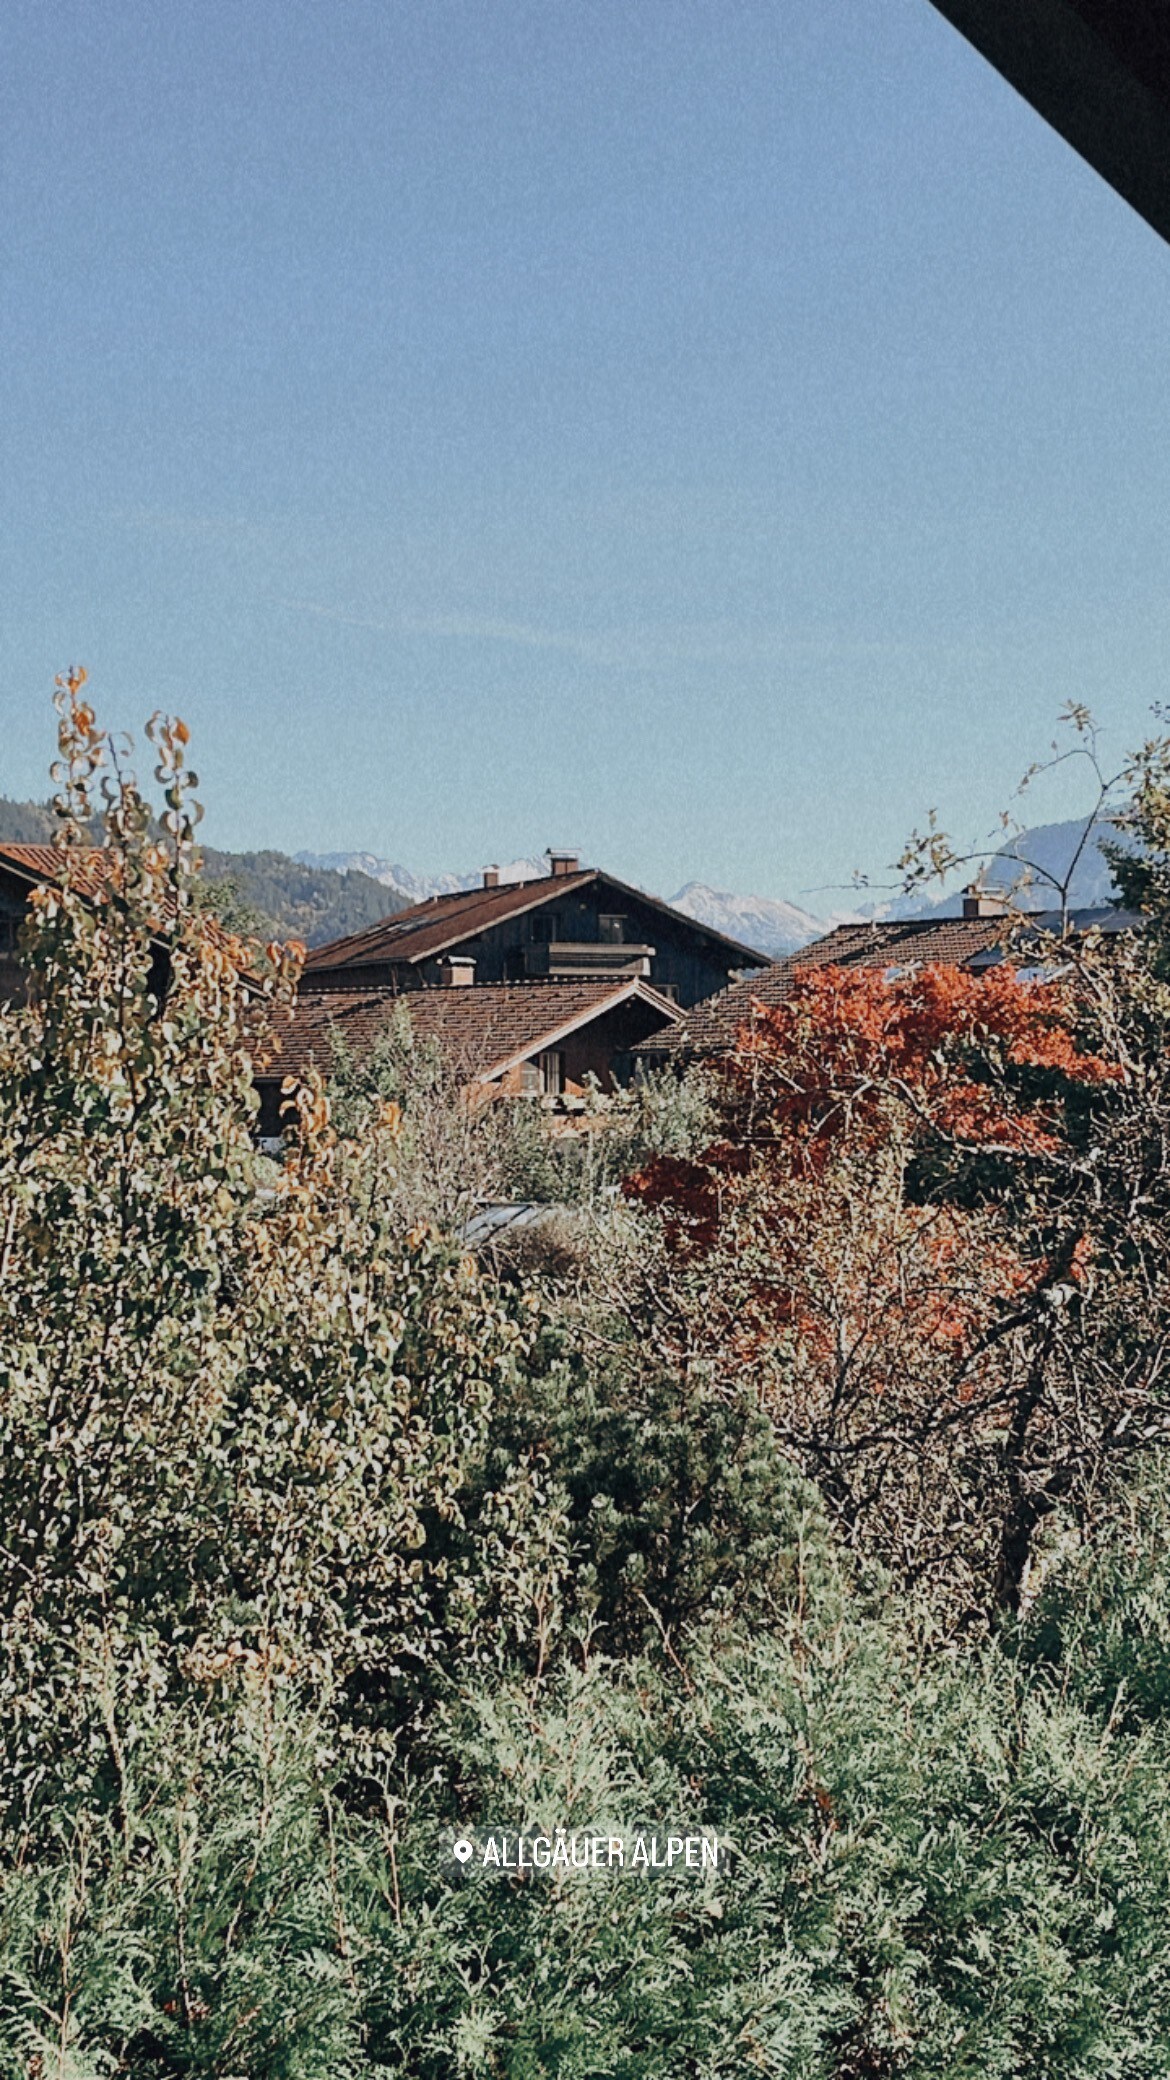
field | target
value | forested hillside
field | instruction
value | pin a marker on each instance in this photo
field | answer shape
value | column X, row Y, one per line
column 264, row 893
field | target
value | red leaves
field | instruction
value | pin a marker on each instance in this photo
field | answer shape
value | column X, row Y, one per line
column 943, row 1043
column 695, row 1191
column 855, row 1060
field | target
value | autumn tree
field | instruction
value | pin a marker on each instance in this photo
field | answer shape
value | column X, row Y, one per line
column 906, row 1237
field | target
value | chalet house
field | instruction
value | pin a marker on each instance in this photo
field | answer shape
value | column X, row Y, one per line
column 572, row 924
column 16, row 879
column 986, row 934
column 539, row 1038
column 534, row 1039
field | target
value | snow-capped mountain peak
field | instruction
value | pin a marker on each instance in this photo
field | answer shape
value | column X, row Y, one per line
column 412, row 887
column 766, row 923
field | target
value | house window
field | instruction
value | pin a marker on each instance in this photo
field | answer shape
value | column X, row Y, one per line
column 546, row 928
column 611, row 930
column 530, row 1081
column 9, row 934
column 552, row 1072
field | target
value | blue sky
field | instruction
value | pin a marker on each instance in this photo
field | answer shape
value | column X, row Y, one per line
column 705, row 434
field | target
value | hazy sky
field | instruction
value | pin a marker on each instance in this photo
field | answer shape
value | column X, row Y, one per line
column 704, row 432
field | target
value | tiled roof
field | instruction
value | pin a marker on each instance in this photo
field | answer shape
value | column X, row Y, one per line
column 489, row 1026
column 711, row 1027
column 429, row 928
column 88, row 868
column 35, row 863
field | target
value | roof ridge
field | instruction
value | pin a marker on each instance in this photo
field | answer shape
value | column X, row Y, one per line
column 463, row 912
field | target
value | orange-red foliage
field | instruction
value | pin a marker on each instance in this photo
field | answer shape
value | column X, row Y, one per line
column 852, row 1049
column 890, row 1246
column 846, row 1036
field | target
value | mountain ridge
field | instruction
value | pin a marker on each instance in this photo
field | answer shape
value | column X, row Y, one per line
column 266, row 894
column 1030, row 865
column 322, row 896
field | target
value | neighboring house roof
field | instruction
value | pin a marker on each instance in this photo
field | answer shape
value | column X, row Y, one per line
column 87, row 867
column 86, row 864
column 493, row 1026
column 431, row 928
column 900, row 944
column 499, row 1219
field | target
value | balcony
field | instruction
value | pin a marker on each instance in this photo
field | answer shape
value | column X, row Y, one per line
column 564, row 960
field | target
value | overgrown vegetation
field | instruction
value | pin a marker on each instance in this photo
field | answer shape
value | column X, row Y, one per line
column 455, row 1153
column 322, row 1545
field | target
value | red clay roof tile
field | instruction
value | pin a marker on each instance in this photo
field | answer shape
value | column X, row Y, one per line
column 711, row 1027
column 488, row 1025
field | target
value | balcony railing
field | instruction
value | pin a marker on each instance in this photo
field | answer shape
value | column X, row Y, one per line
column 567, row 959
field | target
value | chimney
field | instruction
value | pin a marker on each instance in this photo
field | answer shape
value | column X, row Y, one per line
column 491, row 877
column 984, row 902
column 456, row 971
column 561, row 863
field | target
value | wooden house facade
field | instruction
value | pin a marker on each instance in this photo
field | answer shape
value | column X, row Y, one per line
column 570, row 925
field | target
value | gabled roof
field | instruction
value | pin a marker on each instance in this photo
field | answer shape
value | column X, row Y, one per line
column 492, row 1026
column 433, row 927
column 900, row 944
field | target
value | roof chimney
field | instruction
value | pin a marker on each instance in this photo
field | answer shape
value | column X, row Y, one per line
column 491, row 877
column 456, row 971
column 561, row 863
column 984, row 902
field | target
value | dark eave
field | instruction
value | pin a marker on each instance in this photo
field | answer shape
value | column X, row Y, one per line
column 1099, row 72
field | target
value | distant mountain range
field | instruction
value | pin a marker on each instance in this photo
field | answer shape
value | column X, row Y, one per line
column 775, row 927
column 264, row 893
column 415, row 888
column 319, row 896
column 1031, row 865
column 766, row 923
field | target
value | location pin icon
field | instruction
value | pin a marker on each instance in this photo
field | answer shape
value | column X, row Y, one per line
column 462, row 1851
